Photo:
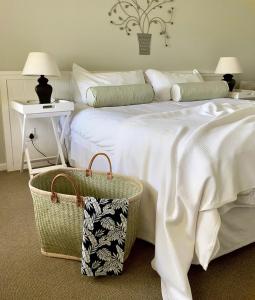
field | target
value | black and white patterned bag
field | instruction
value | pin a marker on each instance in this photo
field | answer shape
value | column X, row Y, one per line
column 104, row 234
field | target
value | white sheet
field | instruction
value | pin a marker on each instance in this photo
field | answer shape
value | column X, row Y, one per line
column 158, row 133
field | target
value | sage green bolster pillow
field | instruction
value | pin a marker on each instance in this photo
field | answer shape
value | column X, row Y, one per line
column 192, row 91
column 102, row 96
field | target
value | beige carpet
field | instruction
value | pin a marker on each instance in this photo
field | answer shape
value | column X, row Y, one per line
column 26, row 274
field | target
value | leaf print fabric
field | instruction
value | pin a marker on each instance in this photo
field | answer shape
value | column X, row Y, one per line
column 104, row 235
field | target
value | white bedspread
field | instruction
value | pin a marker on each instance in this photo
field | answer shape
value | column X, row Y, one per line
column 198, row 159
column 100, row 125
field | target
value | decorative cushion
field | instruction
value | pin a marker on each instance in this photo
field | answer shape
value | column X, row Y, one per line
column 162, row 81
column 83, row 80
column 121, row 95
column 192, row 91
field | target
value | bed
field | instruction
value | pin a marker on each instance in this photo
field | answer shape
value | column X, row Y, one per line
column 216, row 231
column 195, row 158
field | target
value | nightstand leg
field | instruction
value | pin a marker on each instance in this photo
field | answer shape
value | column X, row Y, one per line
column 29, row 163
column 62, row 134
column 23, row 132
column 60, row 150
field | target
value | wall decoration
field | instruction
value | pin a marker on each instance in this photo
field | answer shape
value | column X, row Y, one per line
column 141, row 15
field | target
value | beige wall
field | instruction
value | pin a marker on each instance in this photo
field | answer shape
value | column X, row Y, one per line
column 79, row 31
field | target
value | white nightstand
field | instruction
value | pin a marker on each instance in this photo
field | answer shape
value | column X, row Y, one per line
column 243, row 94
column 53, row 111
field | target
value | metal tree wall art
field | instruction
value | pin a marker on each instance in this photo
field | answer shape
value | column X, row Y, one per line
column 141, row 15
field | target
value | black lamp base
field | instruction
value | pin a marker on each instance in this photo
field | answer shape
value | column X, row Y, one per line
column 43, row 90
column 230, row 81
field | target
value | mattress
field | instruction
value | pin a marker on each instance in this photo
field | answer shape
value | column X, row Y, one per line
column 94, row 130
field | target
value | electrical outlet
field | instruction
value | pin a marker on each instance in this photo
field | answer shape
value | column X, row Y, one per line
column 31, row 133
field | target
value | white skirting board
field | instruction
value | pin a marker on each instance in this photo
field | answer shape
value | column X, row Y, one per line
column 3, row 167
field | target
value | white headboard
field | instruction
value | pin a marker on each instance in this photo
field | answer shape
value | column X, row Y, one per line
column 14, row 86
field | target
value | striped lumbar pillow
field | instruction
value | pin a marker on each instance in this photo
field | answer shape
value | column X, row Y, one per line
column 102, row 96
column 192, row 91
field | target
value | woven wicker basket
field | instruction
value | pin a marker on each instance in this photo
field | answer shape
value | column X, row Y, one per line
column 59, row 213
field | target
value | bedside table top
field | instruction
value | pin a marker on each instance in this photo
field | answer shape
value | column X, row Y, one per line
column 243, row 94
column 34, row 107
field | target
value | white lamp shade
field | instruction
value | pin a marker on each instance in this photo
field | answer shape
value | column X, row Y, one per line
column 228, row 65
column 40, row 63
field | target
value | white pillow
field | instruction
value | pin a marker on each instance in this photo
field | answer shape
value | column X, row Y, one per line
column 83, row 80
column 162, row 81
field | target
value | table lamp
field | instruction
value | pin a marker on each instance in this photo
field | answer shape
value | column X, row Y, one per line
column 229, row 66
column 41, row 64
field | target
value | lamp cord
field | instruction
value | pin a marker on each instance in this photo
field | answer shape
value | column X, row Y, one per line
column 51, row 164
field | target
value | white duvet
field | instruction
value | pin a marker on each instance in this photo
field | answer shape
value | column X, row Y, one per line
column 198, row 159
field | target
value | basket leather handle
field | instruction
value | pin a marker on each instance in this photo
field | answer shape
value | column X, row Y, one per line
column 89, row 170
column 54, row 196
